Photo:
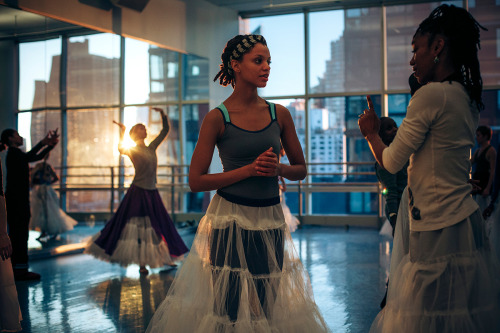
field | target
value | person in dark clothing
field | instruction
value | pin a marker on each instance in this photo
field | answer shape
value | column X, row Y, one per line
column 483, row 161
column 394, row 184
column 17, row 195
column 495, row 189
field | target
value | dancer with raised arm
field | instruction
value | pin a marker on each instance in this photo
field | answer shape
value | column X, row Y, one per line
column 141, row 231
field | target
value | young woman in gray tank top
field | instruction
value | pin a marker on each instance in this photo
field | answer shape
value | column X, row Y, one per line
column 243, row 273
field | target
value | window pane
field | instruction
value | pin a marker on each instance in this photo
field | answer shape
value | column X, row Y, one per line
column 345, row 203
column 326, row 144
column 151, row 73
column 339, row 154
column 90, row 201
column 487, row 14
column 284, row 35
column 345, row 50
column 402, row 22
column 34, row 126
column 93, row 70
column 297, row 110
column 326, row 51
column 39, row 74
column 195, row 84
column 335, row 135
column 193, row 117
column 92, row 155
column 490, row 116
column 92, row 137
column 397, row 107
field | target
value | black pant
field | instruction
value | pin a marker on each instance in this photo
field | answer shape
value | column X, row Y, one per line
column 256, row 256
column 18, row 219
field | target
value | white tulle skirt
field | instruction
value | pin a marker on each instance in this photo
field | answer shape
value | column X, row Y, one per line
column 493, row 229
column 443, row 281
column 138, row 244
column 290, row 219
column 241, row 275
column 10, row 313
column 45, row 212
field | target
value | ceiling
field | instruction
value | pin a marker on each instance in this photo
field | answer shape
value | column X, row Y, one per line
column 252, row 8
column 15, row 24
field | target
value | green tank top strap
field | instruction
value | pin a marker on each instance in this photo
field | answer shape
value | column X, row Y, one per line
column 224, row 112
column 272, row 110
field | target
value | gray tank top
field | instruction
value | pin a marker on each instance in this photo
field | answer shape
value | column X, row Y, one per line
column 239, row 147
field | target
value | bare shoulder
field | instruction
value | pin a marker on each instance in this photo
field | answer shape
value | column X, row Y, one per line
column 214, row 116
column 280, row 109
column 283, row 115
column 213, row 121
column 491, row 152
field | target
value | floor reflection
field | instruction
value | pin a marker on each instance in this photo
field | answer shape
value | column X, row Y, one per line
column 130, row 302
column 79, row 294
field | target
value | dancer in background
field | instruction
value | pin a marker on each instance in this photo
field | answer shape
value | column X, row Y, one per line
column 46, row 215
column 394, row 184
column 243, row 273
column 492, row 213
column 141, row 231
column 483, row 164
column 10, row 312
column 17, row 195
column 446, row 280
column 290, row 219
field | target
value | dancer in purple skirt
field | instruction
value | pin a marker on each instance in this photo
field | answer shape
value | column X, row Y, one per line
column 141, row 231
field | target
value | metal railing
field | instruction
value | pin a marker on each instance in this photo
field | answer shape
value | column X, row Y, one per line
column 173, row 181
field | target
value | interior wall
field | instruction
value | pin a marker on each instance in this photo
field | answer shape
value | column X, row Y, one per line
column 174, row 24
column 187, row 26
column 8, row 84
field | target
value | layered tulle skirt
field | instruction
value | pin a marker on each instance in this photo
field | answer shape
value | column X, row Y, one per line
column 242, row 275
column 441, row 281
column 10, row 313
column 493, row 228
column 291, row 221
column 140, row 232
column 45, row 212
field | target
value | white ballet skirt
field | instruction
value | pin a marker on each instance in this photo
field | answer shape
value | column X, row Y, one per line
column 138, row 244
column 45, row 212
column 290, row 219
column 10, row 312
column 242, row 275
column 493, row 228
column 443, row 281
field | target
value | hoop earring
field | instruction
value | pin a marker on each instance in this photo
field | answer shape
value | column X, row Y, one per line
column 436, row 59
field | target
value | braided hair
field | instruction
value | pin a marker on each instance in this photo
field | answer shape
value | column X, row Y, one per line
column 235, row 49
column 463, row 34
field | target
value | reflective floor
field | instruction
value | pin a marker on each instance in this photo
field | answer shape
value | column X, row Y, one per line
column 77, row 293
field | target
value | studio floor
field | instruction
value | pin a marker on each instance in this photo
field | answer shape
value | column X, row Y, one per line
column 348, row 268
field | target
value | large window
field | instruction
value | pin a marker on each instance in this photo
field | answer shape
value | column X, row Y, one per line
column 324, row 63
column 39, row 74
column 284, row 35
column 347, row 59
column 79, row 92
column 93, row 70
column 402, row 21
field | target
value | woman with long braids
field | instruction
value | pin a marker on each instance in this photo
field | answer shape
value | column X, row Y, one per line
column 443, row 277
column 243, row 273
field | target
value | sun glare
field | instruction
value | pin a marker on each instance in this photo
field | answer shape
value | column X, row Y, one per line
column 128, row 142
